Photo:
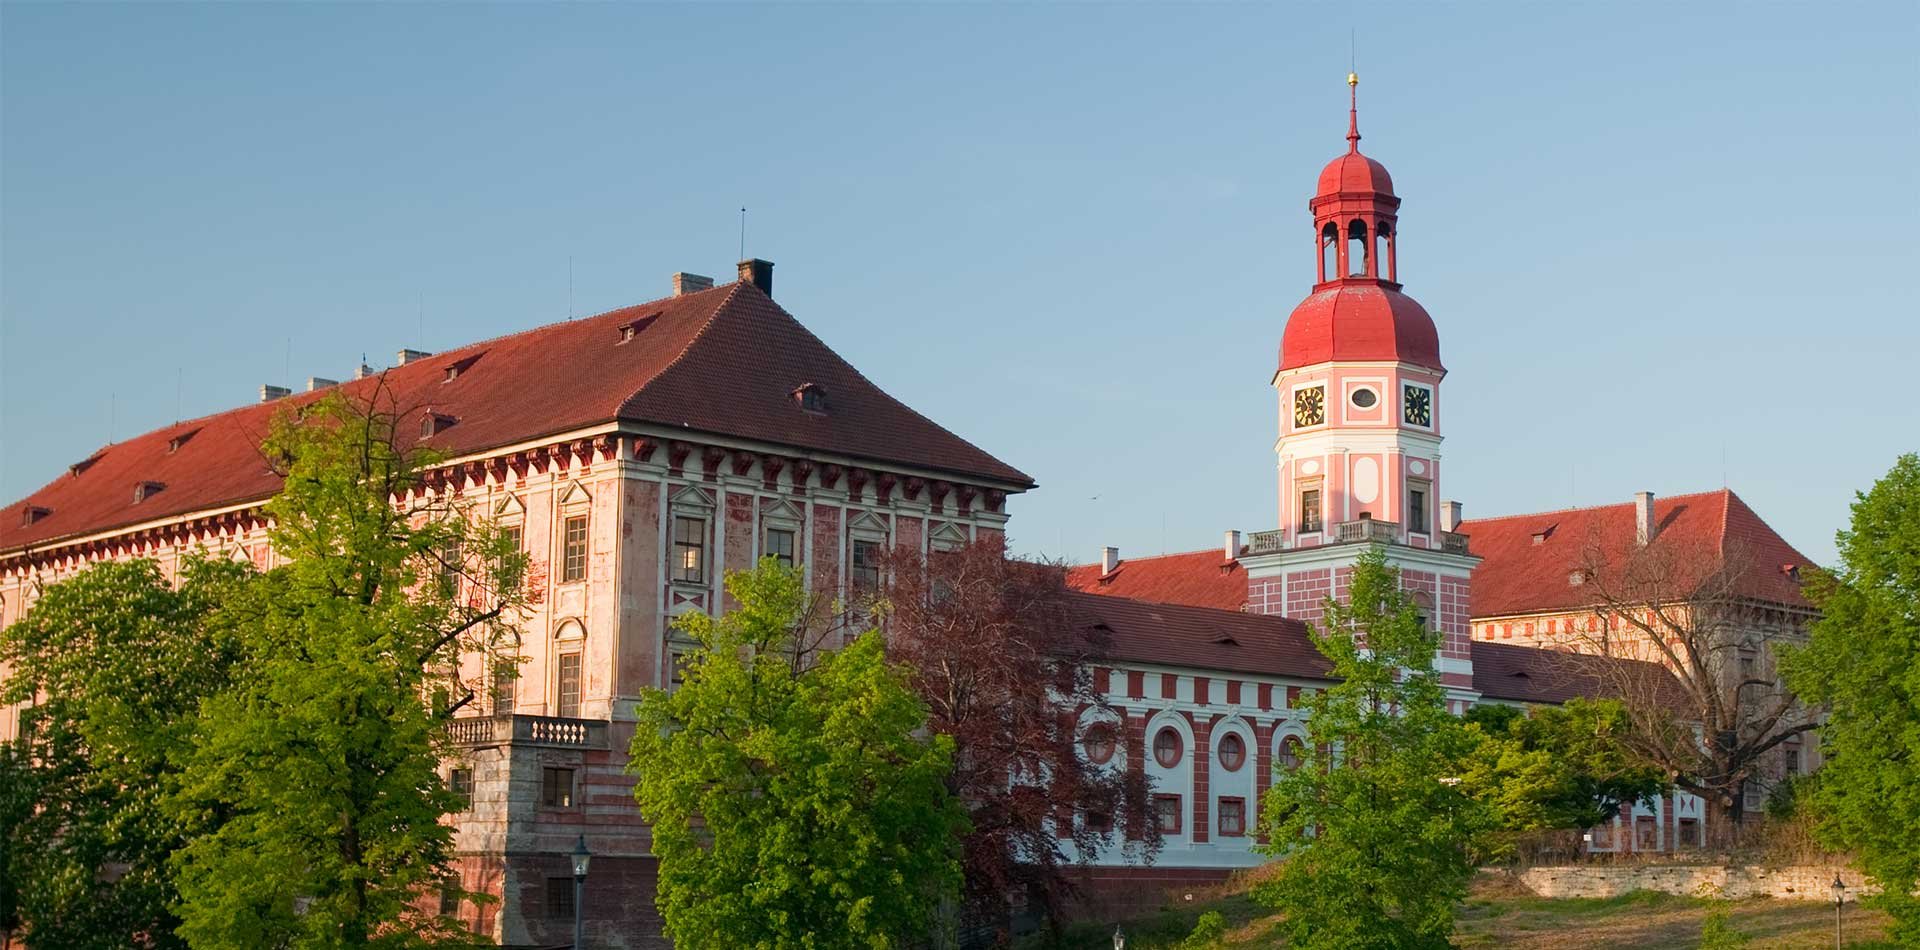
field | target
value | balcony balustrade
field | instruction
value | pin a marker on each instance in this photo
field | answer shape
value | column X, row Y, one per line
column 1363, row 531
column 557, row 732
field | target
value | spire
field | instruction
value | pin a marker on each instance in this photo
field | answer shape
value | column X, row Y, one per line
column 1353, row 113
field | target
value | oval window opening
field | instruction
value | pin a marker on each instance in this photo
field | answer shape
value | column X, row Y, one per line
column 1365, row 398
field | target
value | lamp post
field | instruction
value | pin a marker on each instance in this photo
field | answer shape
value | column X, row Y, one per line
column 581, row 857
column 1119, row 939
column 1839, row 900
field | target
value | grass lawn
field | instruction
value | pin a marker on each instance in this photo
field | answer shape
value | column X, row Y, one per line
column 1499, row 915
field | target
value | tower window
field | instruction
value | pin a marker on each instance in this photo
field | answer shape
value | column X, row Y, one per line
column 1310, row 509
column 1329, row 252
column 1358, row 259
column 1417, row 508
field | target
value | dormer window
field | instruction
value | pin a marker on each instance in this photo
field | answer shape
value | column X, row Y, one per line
column 145, row 490
column 174, row 444
column 812, row 398
column 435, row 423
column 458, row 367
column 84, row 464
column 32, row 514
column 1540, row 535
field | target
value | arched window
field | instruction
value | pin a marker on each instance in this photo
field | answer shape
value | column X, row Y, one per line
column 1290, row 753
column 1167, row 748
column 1358, row 260
column 1383, row 251
column 1098, row 743
column 1233, row 752
column 1329, row 252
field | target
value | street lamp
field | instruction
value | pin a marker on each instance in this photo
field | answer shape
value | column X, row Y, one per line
column 581, row 857
column 1119, row 939
column 1839, row 899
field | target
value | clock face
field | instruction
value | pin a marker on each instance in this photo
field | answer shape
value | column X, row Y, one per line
column 1309, row 406
column 1419, row 406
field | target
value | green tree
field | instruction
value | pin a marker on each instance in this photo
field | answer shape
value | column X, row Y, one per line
column 322, row 760
column 1863, row 662
column 1554, row 767
column 794, row 796
column 116, row 660
column 1376, row 835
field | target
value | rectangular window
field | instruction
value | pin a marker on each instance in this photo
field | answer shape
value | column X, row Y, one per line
column 1233, row 817
column 460, row 782
column 690, row 550
column 1689, row 833
column 1417, row 510
column 449, row 898
column 503, row 680
column 568, row 684
column 559, row 898
column 1099, row 821
column 573, row 549
column 556, row 787
column 1166, row 813
column 866, row 564
column 1646, row 834
column 516, row 536
column 452, row 562
column 780, row 546
column 1792, row 763
column 676, row 667
column 1310, row 510
column 1755, row 795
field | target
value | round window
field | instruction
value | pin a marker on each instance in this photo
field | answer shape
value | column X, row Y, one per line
column 1166, row 748
column 1233, row 753
column 1365, row 398
column 1290, row 753
column 1099, row 743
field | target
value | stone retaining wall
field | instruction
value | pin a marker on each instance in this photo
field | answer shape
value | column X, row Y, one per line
column 1805, row 883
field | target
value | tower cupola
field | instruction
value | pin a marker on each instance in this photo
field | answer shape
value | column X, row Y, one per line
column 1356, row 310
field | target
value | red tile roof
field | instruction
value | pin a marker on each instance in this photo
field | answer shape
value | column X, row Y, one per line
column 1536, row 675
column 1230, row 641
column 1519, row 576
column 1359, row 320
column 1201, row 638
column 1196, row 578
column 724, row 361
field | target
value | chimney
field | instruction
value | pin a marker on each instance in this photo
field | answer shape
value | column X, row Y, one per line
column 270, row 393
column 320, row 382
column 758, row 273
column 1643, row 527
column 407, row 356
column 685, row 283
column 1233, row 546
column 1449, row 516
column 1109, row 559
column 363, row 372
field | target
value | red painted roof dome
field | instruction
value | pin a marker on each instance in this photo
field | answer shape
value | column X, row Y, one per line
column 1359, row 321
column 1354, row 172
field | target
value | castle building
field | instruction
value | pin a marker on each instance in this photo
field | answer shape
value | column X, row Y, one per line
column 640, row 453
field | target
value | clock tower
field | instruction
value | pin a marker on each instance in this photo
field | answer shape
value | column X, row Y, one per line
column 1360, row 424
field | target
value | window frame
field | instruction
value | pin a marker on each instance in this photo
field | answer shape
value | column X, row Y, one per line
column 573, row 563
column 1420, row 488
column 1160, row 816
column 559, row 903
column 792, row 557
column 561, row 662
column 1298, row 756
column 1101, row 728
column 1317, row 523
column 1220, row 824
column 1179, row 747
column 863, row 573
column 460, row 782
column 679, row 546
column 1220, row 753
column 550, row 790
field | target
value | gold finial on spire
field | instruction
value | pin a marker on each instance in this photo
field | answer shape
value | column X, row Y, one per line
column 1353, row 79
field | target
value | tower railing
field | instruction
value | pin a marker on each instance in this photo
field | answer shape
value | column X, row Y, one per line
column 559, row 732
column 1365, row 530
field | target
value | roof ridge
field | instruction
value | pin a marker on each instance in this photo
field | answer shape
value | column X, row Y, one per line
column 1156, row 557
column 1577, row 508
column 713, row 316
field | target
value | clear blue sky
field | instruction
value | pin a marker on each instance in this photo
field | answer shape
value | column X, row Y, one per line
column 1666, row 244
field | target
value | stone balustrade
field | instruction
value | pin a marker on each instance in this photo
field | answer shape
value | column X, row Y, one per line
column 558, row 732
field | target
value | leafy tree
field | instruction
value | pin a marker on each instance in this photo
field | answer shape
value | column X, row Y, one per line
column 321, row 760
column 1863, row 662
column 116, row 659
column 794, row 795
column 1375, row 832
column 1551, row 767
column 995, row 652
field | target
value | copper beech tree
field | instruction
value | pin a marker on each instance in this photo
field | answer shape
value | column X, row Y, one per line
column 1712, row 617
column 994, row 647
